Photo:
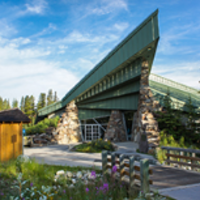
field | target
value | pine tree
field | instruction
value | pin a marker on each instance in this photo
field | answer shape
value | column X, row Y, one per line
column 1, row 103
column 27, row 108
column 6, row 104
column 50, row 97
column 42, row 101
column 15, row 103
column 22, row 106
column 32, row 105
column 55, row 98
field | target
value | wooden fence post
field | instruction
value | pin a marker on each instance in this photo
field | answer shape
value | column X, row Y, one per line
column 131, row 174
column 168, row 157
column 144, row 175
column 121, row 166
column 112, row 159
column 192, row 161
column 104, row 162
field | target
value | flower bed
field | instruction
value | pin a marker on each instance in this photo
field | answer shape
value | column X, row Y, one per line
column 78, row 184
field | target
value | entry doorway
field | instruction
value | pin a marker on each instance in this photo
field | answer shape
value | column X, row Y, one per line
column 91, row 132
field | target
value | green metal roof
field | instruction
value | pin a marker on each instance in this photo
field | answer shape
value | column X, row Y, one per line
column 135, row 46
column 179, row 93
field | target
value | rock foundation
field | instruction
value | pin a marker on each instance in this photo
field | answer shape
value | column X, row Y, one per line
column 115, row 129
column 68, row 128
column 145, row 129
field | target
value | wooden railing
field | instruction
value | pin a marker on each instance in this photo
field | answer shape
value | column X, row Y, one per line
column 128, row 168
column 182, row 157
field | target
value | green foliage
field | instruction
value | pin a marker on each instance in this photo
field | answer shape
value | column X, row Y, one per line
column 36, row 181
column 170, row 122
column 1, row 103
column 168, row 140
column 42, row 125
column 42, row 101
column 55, row 98
column 15, row 103
column 95, row 146
column 50, row 97
column 22, row 104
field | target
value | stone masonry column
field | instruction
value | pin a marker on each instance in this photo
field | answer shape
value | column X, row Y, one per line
column 145, row 130
column 115, row 129
column 68, row 128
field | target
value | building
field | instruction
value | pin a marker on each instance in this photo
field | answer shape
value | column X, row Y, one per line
column 116, row 99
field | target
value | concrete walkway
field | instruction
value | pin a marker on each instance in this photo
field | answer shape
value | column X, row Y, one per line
column 60, row 155
column 189, row 192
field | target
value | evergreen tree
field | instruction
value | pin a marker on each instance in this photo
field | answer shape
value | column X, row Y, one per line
column 6, row 104
column 1, row 103
column 22, row 106
column 15, row 103
column 32, row 105
column 27, row 108
column 42, row 101
column 191, row 115
column 55, row 98
column 50, row 97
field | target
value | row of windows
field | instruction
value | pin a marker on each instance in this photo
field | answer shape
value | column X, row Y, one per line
column 123, row 75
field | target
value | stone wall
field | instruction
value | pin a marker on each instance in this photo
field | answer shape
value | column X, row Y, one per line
column 115, row 129
column 68, row 128
column 145, row 129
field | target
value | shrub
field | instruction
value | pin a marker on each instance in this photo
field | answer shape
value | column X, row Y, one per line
column 95, row 146
column 41, row 126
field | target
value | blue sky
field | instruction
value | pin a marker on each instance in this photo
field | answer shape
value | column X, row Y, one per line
column 53, row 44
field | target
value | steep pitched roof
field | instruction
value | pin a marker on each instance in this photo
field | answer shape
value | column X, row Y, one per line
column 13, row 115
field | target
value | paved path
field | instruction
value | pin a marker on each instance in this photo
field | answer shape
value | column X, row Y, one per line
column 60, row 154
column 189, row 192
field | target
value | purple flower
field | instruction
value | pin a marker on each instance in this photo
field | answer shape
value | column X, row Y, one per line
column 31, row 184
column 64, row 191
column 87, row 189
column 105, row 186
column 70, row 197
column 114, row 169
column 2, row 193
column 93, row 174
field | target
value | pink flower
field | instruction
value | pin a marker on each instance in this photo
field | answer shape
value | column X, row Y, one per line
column 114, row 168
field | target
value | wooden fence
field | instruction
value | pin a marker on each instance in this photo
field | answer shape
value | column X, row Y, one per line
column 182, row 157
column 128, row 168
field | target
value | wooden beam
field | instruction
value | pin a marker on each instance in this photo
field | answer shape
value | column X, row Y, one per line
column 184, row 157
column 183, row 163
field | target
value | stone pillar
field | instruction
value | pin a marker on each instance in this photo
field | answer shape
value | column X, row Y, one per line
column 115, row 129
column 145, row 131
column 68, row 128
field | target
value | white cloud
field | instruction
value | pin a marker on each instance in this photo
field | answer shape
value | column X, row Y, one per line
column 76, row 36
column 25, row 71
column 106, row 7
column 36, row 6
column 121, row 26
column 6, row 28
column 185, row 73
column 51, row 27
